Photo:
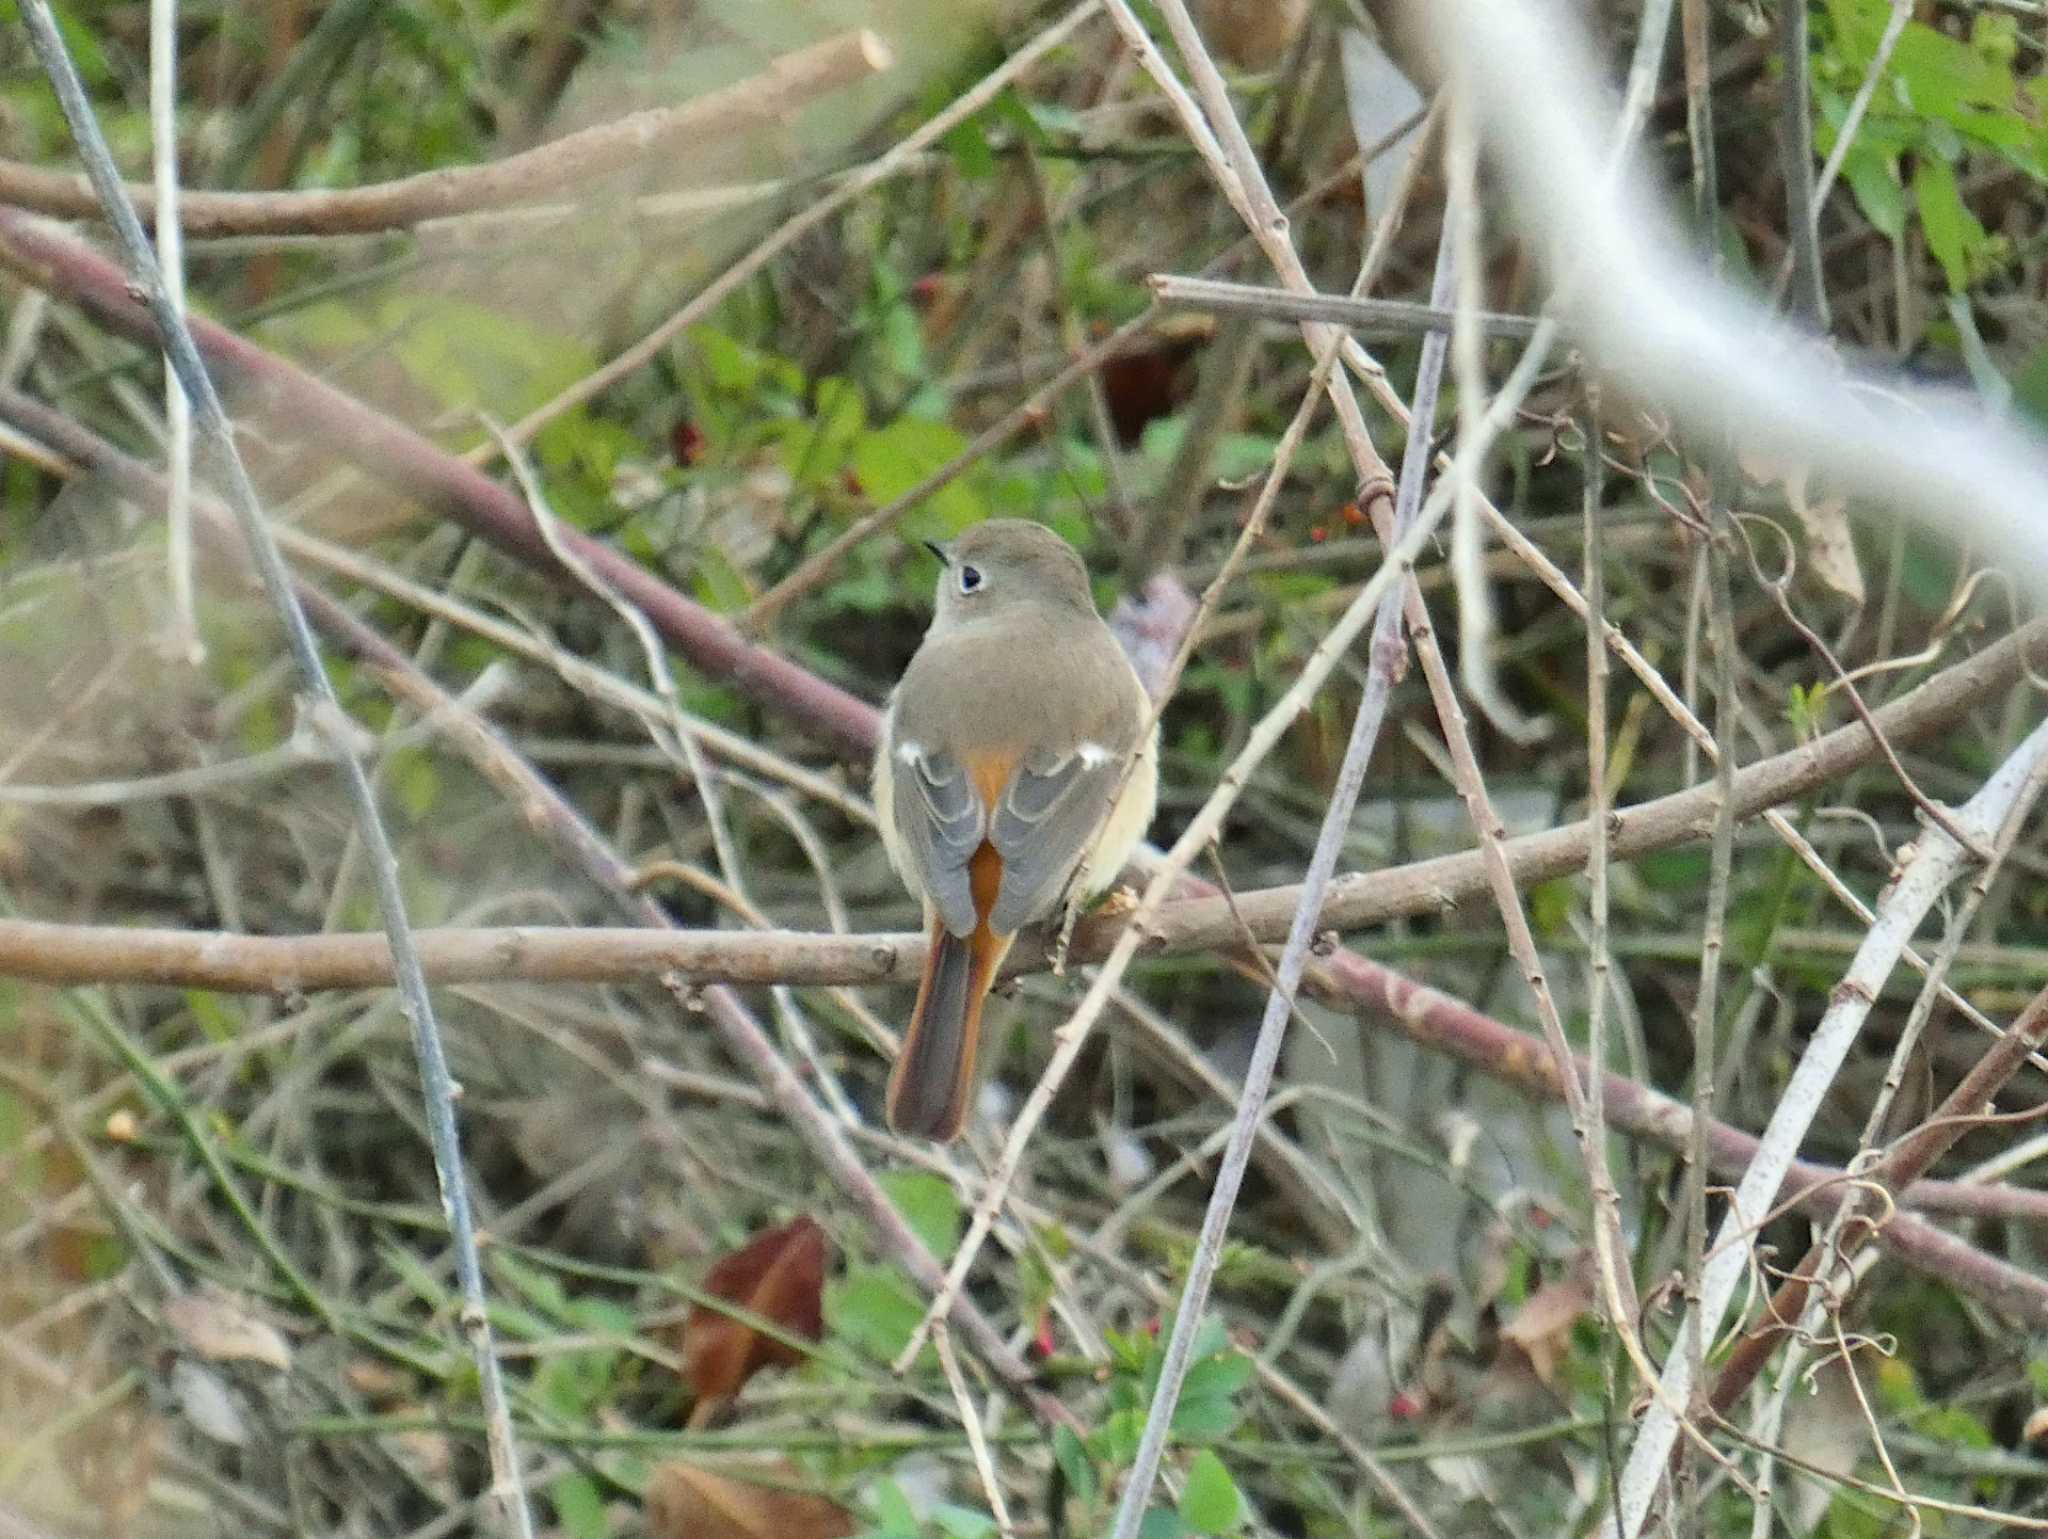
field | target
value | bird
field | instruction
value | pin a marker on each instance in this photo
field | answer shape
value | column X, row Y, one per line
column 1018, row 768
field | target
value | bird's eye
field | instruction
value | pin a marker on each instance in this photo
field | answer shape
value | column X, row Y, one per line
column 970, row 578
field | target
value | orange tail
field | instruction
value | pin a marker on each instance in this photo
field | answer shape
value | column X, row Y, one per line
column 933, row 1081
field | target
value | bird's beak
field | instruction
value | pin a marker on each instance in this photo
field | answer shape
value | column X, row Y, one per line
column 938, row 550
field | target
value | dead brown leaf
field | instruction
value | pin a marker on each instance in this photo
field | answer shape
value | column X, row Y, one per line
column 222, row 1331
column 778, row 1275
column 685, row 1501
column 1830, row 548
column 1542, row 1328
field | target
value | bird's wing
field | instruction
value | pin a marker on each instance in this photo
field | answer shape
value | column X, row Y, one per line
column 941, row 823
column 1044, row 823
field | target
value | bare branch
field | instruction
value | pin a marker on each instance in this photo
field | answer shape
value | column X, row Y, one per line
column 569, row 162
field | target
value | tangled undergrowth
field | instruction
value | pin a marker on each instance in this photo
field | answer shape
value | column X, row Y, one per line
column 868, row 307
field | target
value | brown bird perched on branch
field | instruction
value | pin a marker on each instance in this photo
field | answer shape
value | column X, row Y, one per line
column 1015, row 775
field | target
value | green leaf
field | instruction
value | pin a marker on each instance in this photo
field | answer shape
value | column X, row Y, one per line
column 212, row 1015
column 815, row 450
column 1955, row 1426
column 719, row 585
column 579, row 1507
column 734, row 368
column 1952, row 230
column 1072, row 1457
column 873, row 1310
column 87, row 57
column 1211, row 1503
column 1239, row 455
column 1940, row 78
column 1161, row 1523
column 1873, row 176
column 930, row 1206
column 1850, row 1516
column 893, row 459
column 968, row 145
column 412, row 777
column 901, row 338
column 1208, row 1399
column 472, row 355
column 895, row 1518
column 962, row 1522
column 1115, row 1442
column 1550, row 906
column 737, row 368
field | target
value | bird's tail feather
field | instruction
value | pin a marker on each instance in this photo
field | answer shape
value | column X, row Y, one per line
column 934, row 1082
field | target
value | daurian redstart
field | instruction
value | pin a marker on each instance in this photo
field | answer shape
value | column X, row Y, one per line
column 1015, row 776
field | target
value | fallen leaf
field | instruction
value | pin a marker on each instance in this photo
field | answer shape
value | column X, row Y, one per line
column 688, row 1502
column 778, row 1275
column 221, row 1331
column 378, row 1383
column 1542, row 1327
column 1830, row 548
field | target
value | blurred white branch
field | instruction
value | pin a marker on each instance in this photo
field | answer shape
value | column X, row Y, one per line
column 1651, row 320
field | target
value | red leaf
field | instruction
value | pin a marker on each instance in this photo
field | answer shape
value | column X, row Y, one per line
column 1146, row 383
column 778, row 1275
column 686, row 442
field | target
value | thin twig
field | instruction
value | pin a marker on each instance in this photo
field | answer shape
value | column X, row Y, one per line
column 1391, row 318
column 1599, row 801
column 1705, row 1021
column 437, row 1086
column 570, row 162
column 977, row 1437
column 1387, row 660
column 182, row 639
column 1802, row 198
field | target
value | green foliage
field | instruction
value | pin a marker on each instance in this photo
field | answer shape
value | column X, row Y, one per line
column 891, row 460
column 1210, row 1503
column 579, row 1506
column 890, row 1514
column 1208, row 1410
column 1806, row 709
column 1939, row 100
column 930, row 1206
column 1075, row 1465
column 873, row 1309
